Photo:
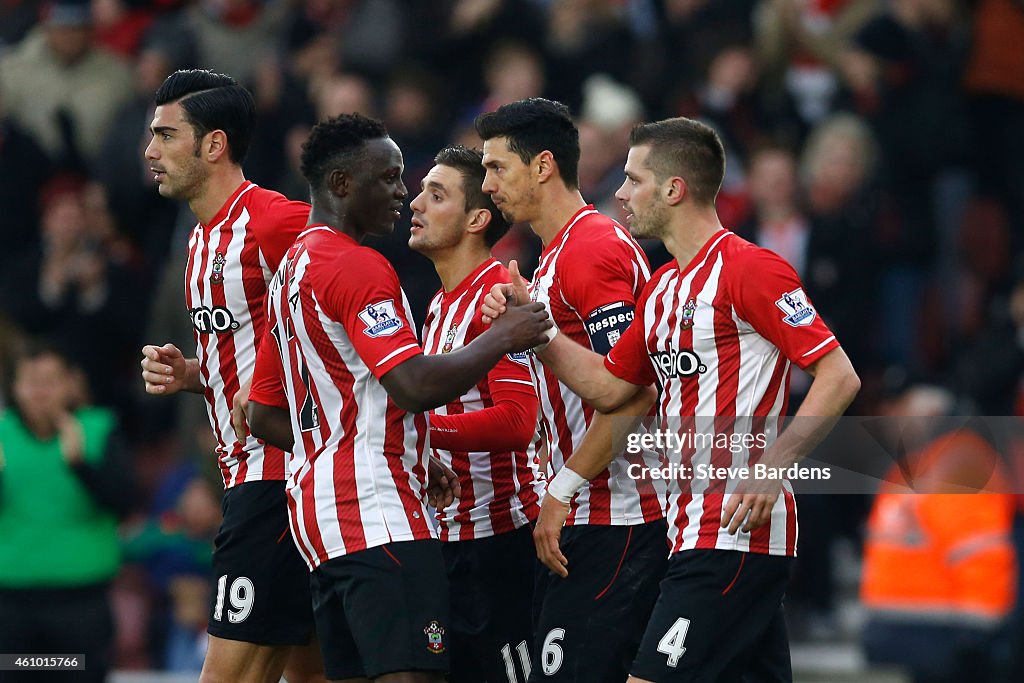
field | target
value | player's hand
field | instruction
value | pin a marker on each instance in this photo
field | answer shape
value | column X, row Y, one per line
column 442, row 484
column 239, row 406
column 751, row 505
column 164, row 369
column 548, row 533
column 502, row 295
column 523, row 327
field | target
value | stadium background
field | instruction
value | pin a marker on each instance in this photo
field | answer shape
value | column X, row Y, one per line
column 875, row 145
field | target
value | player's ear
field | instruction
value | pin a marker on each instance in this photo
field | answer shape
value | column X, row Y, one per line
column 477, row 221
column 544, row 166
column 214, row 145
column 675, row 190
column 339, row 182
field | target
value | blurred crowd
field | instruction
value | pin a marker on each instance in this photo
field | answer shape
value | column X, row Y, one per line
column 877, row 145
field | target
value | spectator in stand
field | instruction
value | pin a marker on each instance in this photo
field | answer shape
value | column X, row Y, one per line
column 799, row 43
column 176, row 548
column 71, row 290
column 899, row 66
column 836, row 168
column 234, row 36
column 61, row 87
column 63, row 483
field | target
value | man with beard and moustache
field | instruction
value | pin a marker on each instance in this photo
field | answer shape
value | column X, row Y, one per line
column 717, row 328
column 590, row 274
column 261, row 615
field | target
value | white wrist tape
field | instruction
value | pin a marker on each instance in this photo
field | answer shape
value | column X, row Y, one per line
column 565, row 485
column 548, row 336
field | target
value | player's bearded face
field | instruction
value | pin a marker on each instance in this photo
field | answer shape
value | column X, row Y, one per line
column 650, row 220
column 173, row 154
column 646, row 212
column 185, row 181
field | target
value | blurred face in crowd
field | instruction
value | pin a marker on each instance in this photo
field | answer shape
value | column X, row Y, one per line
column 840, row 164
column 772, row 178
column 376, row 191
column 509, row 181
column 64, row 221
column 199, row 509
column 640, row 194
column 439, row 216
column 173, row 154
column 69, row 43
column 42, row 388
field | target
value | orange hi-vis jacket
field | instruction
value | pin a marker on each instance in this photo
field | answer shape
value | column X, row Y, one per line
column 938, row 556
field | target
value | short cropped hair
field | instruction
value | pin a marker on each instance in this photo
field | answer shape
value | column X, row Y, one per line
column 469, row 162
column 337, row 142
column 532, row 126
column 212, row 101
column 685, row 148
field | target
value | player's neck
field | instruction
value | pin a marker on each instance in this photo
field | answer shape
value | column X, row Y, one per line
column 219, row 187
column 454, row 265
column 557, row 207
column 689, row 232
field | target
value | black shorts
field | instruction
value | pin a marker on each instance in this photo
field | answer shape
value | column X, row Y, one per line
column 261, row 583
column 492, row 592
column 590, row 623
column 383, row 610
column 718, row 618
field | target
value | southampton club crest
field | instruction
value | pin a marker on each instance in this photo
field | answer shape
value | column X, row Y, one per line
column 381, row 319
column 217, row 277
column 449, row 341
column 798, row 311
column 435, row 637
column 688, row 310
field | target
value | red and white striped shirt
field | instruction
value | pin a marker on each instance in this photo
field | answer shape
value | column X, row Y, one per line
column 719, row 336
column 500, row 489
column 230, row 263
column 593, row 262
column 338, row 322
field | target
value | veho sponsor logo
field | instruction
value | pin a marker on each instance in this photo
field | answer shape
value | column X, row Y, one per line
column 213, row 320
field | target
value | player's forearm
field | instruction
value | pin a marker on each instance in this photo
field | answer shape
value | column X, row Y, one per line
column 425, row 382
column 583, row 371
column 834, row 387
column 192, row 381
column 272, row 424
column 503, row 427
column 606, row 436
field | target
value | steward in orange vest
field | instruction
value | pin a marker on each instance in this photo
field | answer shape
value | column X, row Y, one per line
column 939, row 565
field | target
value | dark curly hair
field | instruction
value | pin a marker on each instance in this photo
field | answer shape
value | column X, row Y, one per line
column 337, row 142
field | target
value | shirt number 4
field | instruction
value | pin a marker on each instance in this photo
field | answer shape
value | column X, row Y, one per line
column 671, row 643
